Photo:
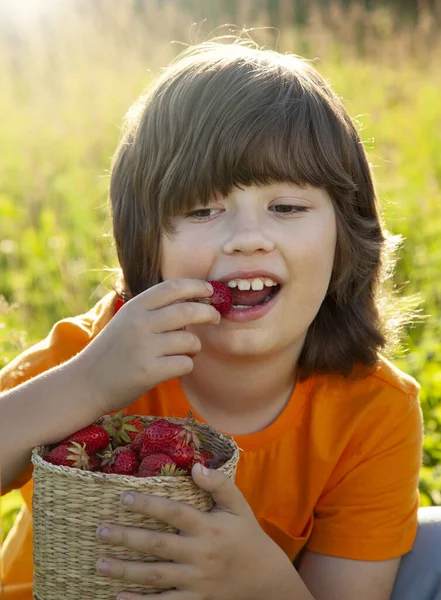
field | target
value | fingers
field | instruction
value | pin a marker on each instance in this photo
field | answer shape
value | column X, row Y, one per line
column 170, row 367
column 223, row 489
column 177, row 594
column 157, row 574
column 173, row 290
column 177, row 514
column 178, row 342
column 178, row 316
column 165, row 545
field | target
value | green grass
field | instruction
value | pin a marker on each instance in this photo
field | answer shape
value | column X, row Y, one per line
column 10, row 506
column 65, row 92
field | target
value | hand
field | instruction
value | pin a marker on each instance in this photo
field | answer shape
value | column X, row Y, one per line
column 145, row 344
column 218, row 555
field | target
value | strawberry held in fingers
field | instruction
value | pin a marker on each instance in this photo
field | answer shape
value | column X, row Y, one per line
column 93, row 436
column 221, row 299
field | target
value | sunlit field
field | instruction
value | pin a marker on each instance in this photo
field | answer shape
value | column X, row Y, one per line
column 69, row 71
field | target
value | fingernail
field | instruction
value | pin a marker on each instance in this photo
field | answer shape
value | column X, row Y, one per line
column 210, row 287
column 103, row 532
column 128, row 498
column 103, row 567
column 205, row 472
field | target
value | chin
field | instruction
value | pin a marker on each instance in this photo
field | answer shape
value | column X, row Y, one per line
column 242, row 344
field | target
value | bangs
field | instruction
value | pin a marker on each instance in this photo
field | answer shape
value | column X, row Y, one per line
column 246, row 123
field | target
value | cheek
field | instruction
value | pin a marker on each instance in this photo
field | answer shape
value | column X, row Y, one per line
column 183, row 256
column 316, row 258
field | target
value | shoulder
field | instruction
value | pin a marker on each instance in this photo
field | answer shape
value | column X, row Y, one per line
column 371, row 402
column 389, row 376
column 66, row 338
column 367, row 383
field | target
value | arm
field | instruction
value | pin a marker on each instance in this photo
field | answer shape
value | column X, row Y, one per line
column 98, row 379
column 32, row 414
column 332, row 578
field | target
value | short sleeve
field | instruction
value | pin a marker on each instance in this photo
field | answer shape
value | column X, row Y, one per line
column 368, row 510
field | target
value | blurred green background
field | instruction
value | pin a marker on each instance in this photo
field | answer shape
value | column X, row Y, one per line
column 70, row 70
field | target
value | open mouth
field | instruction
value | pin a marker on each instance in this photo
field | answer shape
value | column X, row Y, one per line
column 246, row 299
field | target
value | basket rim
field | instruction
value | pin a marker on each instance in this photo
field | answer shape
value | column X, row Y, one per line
column 72, row 472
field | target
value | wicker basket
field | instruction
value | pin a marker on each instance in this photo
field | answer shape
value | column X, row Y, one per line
column 69, row 504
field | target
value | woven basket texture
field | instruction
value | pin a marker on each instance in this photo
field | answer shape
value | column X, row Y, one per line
column 69, row 504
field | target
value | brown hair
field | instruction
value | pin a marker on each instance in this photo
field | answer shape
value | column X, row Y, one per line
column 225, row 115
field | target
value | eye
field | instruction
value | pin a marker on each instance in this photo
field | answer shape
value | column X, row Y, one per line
column 288, row 209
column 202, row 214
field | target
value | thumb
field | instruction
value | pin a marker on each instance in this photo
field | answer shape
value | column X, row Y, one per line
column 224, row 491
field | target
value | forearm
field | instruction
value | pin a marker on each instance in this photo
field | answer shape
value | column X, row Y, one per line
column 41, row 411
column 290, row 586
column 286, row 583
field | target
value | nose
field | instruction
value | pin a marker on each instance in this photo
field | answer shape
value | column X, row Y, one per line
column 247, row 236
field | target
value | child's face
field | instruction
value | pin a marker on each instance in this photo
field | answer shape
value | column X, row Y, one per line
column 280, row 230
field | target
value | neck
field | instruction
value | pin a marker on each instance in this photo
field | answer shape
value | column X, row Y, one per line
column 241, row 396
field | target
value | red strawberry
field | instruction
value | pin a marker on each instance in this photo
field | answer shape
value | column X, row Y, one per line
column 72, row 454
column 137, row 442
column 153, row 464
column 221, row 299
column 182, row 454
column 93, row 436
column 202, row 457
column 122, row 428
column 157, row 437
column 188, row 435
column 121, row 461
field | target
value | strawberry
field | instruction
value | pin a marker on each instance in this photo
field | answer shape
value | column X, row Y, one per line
column 221, row 299
column 202, row 457
column 121, row 461
column 137, row 442
column 93, row 436
column 72, row 454
column 183, row 454
column 157, row 437
column 172, row 471
column 187, row 435
column 157, row 464
column 122, row 428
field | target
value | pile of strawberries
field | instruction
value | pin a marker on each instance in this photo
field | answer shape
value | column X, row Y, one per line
column 124, row 445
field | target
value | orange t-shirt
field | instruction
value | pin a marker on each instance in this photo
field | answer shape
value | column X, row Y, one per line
column 337, row 471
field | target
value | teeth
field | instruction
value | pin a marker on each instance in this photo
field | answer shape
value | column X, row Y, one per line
column 258, row 283
column 241, row 307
